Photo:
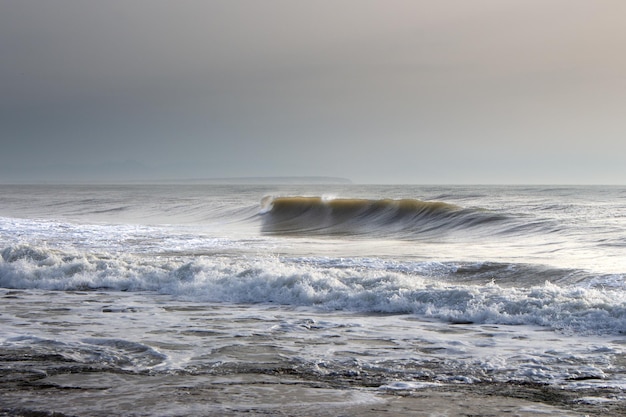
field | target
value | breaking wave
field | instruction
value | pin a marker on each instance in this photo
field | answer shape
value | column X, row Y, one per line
column 349, row 216
column 366, row 285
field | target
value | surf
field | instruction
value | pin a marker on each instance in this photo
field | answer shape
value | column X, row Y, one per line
column 449, row 292
column 301, row 215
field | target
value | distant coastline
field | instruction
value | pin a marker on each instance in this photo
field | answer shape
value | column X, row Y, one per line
column 269, row 180
column 217, row 181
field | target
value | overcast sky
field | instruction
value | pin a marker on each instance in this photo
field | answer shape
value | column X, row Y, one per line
column 410, row 91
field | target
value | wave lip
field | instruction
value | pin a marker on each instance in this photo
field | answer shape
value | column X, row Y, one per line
column 353, row 216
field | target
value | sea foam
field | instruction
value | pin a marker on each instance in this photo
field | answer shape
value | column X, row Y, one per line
column 321, row 283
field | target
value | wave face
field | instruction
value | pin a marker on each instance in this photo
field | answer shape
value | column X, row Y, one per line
column 349, row 216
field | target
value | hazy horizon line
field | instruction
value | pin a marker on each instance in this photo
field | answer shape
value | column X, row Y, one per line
column 286, row 180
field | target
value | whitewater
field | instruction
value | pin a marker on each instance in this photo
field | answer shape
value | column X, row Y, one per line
column 350, row 293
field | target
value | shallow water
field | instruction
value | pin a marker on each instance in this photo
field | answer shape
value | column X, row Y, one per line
column 520, row 286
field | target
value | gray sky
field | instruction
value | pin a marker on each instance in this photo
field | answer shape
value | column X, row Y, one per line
column 441, row 91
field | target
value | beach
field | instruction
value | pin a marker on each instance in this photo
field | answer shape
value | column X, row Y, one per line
column 120, row 366
column 102, row 394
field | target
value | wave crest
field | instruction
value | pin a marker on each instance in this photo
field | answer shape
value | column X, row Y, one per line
column 352, row 216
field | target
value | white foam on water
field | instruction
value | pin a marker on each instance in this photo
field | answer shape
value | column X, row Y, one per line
column 147, row 332
column 409, row 385
column 356, row 287
column 176, row 282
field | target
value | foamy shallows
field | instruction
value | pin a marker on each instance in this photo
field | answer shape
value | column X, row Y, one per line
column 394, row 288
column 357, row 285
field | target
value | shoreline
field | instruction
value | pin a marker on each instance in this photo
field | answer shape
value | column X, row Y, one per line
column 136, row 354
column 51, row 389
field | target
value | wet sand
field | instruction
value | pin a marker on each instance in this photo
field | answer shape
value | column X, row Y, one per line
column 35, row 391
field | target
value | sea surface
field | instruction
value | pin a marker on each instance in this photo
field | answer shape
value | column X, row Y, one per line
column 376, row 290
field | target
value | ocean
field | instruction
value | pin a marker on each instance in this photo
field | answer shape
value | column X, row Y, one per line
column 208, row 299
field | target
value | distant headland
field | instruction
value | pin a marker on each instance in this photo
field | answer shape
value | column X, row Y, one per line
column 269, row 180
